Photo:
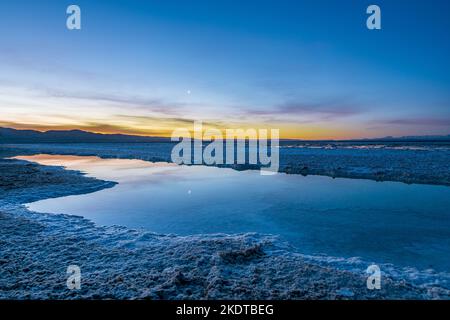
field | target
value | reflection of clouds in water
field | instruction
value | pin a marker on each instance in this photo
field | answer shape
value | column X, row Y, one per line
column 129, row 171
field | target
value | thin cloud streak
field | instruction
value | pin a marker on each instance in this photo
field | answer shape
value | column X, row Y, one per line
column 416, row 122
column 316, row 112
column 149, row 104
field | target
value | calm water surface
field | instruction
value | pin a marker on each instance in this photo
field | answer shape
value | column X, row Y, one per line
column 383, row 222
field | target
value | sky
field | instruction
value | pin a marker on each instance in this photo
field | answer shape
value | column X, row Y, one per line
column 311, row 69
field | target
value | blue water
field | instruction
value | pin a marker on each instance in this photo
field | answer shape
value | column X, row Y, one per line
column 381, row 222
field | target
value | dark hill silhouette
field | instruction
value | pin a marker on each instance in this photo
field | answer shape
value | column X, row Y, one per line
column 8, row 135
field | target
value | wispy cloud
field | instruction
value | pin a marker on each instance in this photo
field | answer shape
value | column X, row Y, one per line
column 41, row 63
column 326, row 110
column 150, row 104
column 419, row 121
column 169, row 121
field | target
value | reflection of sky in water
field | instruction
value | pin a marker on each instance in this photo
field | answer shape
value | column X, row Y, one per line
column 403, row 224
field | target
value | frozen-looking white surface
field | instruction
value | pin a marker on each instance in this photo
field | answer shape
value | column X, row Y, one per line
column 405, row 228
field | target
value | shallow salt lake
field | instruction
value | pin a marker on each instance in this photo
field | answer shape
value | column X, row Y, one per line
column 382, row 222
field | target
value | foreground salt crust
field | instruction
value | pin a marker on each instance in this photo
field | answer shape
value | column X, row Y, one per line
column 120, row 263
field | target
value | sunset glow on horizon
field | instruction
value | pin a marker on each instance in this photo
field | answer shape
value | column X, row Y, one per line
column 311, row 70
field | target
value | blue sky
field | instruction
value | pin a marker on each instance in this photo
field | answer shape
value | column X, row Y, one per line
column 310, row 68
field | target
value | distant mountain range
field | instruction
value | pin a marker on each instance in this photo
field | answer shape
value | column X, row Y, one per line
column 414, row 138
column 8, row 135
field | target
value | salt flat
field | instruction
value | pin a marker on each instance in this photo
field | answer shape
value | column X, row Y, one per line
column 122, row 262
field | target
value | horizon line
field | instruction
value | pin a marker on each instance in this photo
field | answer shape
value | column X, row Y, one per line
column 387, row 138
